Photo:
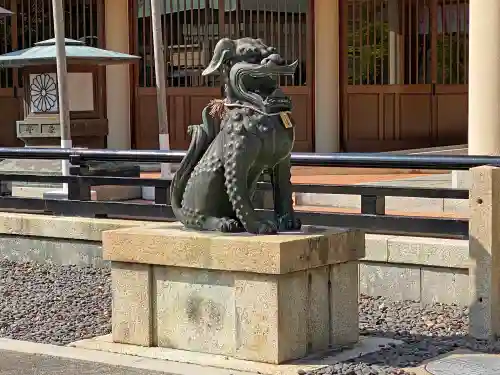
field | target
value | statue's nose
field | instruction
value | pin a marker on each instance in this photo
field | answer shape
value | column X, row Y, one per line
column 274, row 58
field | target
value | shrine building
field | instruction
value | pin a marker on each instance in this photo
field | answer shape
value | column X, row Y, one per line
column 373, row 75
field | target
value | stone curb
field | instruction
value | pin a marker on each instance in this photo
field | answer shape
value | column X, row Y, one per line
column 366, row 345
column 180, row 362
column 25, row 237
column 422, row 251
column 428, row 270
column 72, row 228
column 394, row 266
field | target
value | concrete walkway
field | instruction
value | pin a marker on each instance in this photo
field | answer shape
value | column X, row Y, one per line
column 15, row 363
column 28, row 358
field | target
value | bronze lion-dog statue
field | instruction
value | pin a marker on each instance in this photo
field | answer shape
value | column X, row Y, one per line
column 242, row 135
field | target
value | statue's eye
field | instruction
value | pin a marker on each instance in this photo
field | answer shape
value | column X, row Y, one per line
column 252, row 50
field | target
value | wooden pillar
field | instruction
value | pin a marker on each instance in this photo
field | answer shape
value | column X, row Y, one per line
column 394, row 42
column 117, row 76
column 326, row 80
column 484, row 83
column 484, row 77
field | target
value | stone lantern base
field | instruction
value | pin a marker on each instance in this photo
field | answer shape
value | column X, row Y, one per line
column 46, row 132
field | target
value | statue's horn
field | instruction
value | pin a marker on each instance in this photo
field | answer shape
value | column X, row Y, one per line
column 224, row 50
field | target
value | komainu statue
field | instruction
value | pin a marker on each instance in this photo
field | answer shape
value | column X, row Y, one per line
column 242, row 135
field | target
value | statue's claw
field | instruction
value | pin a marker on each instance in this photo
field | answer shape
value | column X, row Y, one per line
column 191, row 129
column 228, row 225
column 289, row 223
column 267, row 227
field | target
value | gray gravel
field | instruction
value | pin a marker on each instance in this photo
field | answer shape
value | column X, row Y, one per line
column 54, row 305
column 59, row 305
column 426, row 332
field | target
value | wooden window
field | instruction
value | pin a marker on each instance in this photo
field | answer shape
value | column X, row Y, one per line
column 192, row 28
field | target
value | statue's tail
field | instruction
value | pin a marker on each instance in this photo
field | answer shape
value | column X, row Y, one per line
column 201, row 137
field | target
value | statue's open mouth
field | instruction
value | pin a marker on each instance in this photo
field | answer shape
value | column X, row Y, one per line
column 258, row 84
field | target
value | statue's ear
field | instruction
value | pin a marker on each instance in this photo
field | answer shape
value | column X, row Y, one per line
column 224, row 50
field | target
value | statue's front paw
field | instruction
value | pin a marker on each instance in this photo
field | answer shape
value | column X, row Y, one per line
column 289, row 223
column 228, row 225
column 268, row 227
column 263, row 227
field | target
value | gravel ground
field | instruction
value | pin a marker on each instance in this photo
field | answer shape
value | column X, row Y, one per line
column 53, row 305
column 59, row 305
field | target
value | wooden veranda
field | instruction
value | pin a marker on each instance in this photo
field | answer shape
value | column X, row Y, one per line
column 404, row 73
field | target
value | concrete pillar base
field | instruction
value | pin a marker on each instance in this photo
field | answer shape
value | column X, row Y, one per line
column 484, row 249
column 266, row 299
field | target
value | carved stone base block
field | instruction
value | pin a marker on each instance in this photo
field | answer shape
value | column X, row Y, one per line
column 259, row 298
column 46, row 132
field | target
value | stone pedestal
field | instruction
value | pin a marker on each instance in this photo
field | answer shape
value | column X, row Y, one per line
column 259, row 298
column 45, row 131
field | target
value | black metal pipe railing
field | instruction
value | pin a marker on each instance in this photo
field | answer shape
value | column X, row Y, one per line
column 372, row 215
column 379, row 160
column 350, row 160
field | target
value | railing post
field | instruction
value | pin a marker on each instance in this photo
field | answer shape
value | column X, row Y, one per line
column 373, row 205
column 5, row 188
column 162, row 195
column 264, row 199
column 484, row 250
column 78, row 189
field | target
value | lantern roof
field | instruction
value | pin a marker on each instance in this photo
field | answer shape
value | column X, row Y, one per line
column 77, row 52
column 5, row 12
